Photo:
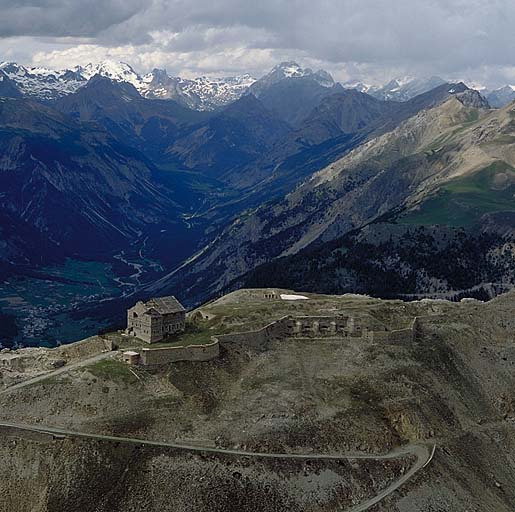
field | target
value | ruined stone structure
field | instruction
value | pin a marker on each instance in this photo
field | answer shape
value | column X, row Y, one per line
column 363, row 326
column 155, row 319
column 339, row 327
column 157, row 356
column 131, row 357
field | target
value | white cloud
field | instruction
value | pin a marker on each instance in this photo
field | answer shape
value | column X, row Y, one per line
column 365, row 39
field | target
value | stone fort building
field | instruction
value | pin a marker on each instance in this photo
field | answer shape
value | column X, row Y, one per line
column 155, row 319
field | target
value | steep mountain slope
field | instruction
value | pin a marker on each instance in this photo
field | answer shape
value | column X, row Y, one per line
column 391, row 259
column 84, row 192
column 338, row 124
column 292, row 92
column 169, row 133
column 239, row 134
column 150, row 125
column 346, row 112
column 404, row 89
column 22, row 244
column 398, row 169
column 8, row 88
column 501, row 97
column 459, row 239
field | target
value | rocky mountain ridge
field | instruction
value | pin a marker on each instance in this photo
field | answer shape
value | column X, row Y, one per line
column 110, row 192
column 208, row 93
column 399, row 89
column 401, row 168
column 201, row 93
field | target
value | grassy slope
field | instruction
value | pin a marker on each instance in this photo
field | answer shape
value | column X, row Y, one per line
column 462, row 201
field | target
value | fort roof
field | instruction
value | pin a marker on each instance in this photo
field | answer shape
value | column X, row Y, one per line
column 162, row 306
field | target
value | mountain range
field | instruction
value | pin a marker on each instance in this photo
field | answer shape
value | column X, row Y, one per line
column 291, row 178
column 200, row 93
column 457, row 144
column 404, row 89
column 53, row 165
column 205, row 93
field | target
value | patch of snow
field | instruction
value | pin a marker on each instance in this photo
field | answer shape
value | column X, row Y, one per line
column 43, row 83
column 214, row 92
column 117, row 71
column 285, row 296
column 292, row 70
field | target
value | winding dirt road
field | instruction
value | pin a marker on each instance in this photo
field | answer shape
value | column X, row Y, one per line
column 423, row 454
column 59, row 371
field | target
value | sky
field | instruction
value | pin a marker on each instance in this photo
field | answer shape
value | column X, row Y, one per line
column 368, row 40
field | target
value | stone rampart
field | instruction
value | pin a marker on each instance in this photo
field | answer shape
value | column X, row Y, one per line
column 157, row 356
column 34, row 359
column 396, row 336
column 287, row 327
column 309, row 327
column 274, row 330
column 81, row 349
column 336, row 326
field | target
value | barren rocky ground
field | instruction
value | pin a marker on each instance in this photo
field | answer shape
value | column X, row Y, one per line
column 452, row 386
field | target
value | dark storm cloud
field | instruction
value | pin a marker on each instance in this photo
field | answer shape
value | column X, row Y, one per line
column 446, row 33
column 63, row 18
column 425, row 36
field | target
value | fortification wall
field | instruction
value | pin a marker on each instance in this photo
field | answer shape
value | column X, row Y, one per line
column 286, row 327
column 157, row 356
column 32, row 359
column 85, row 348
column 255, row 338
column 339, row 325
column 242, row 337
column 378, row 336
column 395, row 336
column 308, row 326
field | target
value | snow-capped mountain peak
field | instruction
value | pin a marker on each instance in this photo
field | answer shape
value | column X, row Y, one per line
column 398, row 89
column 291, row 70
column 117, row 71
column 43, row 83
column 202, row 93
